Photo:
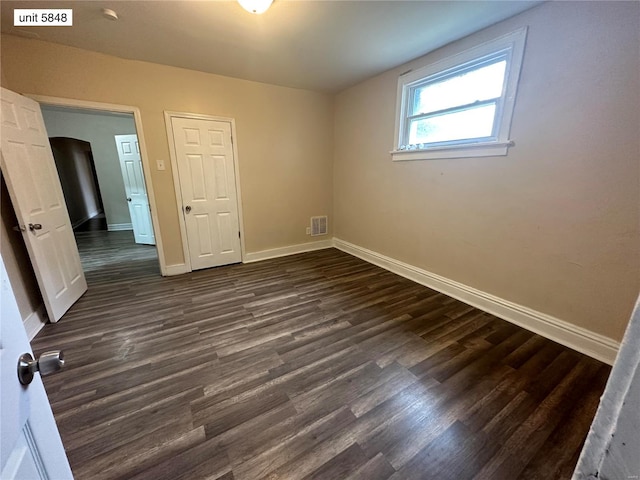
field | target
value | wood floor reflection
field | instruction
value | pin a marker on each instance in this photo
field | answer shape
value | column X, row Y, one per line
column 317, row 365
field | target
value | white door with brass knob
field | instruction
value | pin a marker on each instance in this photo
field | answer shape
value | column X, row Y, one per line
column 31, row 447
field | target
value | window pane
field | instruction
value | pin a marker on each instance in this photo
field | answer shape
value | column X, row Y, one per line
column 471, row 123
column 484, row 83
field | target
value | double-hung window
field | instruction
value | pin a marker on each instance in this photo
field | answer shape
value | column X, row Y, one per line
column 460, row 106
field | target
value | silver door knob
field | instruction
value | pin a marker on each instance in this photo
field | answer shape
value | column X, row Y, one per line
column 49, row 362
column 35, row 226
column 187, row 208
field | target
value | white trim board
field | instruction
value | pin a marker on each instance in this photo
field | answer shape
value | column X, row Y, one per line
column 116, row 227
column 77, row 223
column 252, row 257
column 285, row 251
column 610, row 450
column 592, row 344
column 35, row 322
column 177, row 269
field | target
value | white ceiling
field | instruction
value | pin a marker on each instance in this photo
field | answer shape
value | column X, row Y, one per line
column 317, row 45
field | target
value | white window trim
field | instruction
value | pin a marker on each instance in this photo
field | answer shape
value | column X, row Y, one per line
column 514, row 43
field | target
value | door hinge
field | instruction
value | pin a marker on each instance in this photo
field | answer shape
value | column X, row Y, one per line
column 239, row 235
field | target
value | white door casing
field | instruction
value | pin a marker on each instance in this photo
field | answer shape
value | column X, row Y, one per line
column 137, row 116
column 135, row 189
column 31, row 447
column 34, row 187
column 205, row 162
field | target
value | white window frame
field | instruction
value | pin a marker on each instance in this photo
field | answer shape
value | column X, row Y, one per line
column 512, row 46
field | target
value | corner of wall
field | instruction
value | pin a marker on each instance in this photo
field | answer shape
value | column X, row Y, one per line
column 592, row 344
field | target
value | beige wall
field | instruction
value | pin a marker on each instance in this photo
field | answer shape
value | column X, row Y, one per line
column 552, row 226
column 284, row 135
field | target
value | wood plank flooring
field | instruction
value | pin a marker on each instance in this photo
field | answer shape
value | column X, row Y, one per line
column 313, row 366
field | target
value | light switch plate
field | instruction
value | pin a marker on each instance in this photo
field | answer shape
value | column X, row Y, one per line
column 160, row 164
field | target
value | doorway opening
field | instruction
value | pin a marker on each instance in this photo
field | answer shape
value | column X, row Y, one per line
column 79, row 181
column 98, row 159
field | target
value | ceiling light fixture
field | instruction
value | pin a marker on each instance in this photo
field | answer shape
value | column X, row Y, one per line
column 255, row 6
column 109, row 14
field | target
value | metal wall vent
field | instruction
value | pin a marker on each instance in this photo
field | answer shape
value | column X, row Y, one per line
column 319, row 226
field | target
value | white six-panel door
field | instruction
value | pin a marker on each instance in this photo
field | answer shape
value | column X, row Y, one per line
column 204, row 155
column 30, row 445
column 34, row 187
column 133, row 176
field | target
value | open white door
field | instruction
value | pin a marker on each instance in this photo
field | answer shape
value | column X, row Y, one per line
column 133, row 176
column 34, row 187
column 204, row 154
column 31, row 447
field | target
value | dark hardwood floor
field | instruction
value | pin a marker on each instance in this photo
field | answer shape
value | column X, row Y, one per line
column 315, row 366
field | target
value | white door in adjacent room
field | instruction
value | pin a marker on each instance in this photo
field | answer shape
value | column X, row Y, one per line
column 34, row 187
column 31, row 447
column 204, row 155
column 133, row 176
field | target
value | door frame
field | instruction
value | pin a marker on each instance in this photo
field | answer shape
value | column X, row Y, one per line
column 146, row 166
column 168, row 115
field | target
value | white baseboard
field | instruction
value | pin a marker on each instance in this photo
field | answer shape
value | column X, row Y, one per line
column 77, row 223
column 34, row 322
column 89, row 216
column 181, row 268
column 177, row 269
column 592, row 344
column 116, row 227
column 284, row 251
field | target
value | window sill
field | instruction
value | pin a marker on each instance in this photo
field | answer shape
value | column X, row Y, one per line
column 488, row 149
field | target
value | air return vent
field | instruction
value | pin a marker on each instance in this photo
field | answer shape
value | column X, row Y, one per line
column 318, row 226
